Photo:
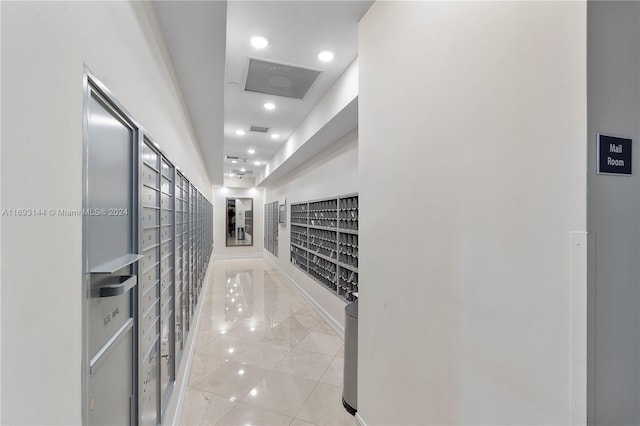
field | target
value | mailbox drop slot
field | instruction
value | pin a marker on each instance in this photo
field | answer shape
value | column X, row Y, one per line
column 116, row 285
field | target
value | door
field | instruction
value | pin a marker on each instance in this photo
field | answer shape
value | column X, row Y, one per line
column 110, row 264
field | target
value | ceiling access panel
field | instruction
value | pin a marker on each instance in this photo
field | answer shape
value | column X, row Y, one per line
column 277, row 79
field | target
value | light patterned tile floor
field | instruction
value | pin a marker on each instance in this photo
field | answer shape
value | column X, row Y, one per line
column 263, row 356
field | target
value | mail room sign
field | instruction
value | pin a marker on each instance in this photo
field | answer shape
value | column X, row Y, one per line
column 614, row 155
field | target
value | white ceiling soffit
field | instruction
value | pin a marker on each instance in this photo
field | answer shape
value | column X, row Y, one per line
column 195, row 35
column 340, row 125
column 334, row 116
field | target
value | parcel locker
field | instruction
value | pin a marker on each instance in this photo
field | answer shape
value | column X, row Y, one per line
column 110, row 268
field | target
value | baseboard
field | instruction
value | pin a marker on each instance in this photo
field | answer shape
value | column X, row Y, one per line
column 328, row 319
column 237, row 256
column 174, row 411
column 360, row 420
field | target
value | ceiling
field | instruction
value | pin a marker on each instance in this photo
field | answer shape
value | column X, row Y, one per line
column 296, row 32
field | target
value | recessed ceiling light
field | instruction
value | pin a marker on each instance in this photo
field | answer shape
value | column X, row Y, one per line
column 275, row 136
column 326, row 56
column 259, row 42
column 251, row 151
column 240, row 132
column 257, row 163
column 243, row 169
column 234, row 161
column 270, row 106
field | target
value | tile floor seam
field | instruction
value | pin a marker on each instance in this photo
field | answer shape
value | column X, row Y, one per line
column 256, row 406
column 269, row 409
column 234, row 400
column 306, row 421
column 209, row 402
column 305, row 401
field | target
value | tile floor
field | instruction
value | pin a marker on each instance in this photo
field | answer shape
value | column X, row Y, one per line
column 263, row 357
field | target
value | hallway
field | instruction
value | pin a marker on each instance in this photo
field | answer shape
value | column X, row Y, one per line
column 263, row 356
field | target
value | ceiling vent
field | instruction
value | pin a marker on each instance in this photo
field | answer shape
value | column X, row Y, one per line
column 239, row 172
column 259, row 129
column 279, row 79
column 231, row 157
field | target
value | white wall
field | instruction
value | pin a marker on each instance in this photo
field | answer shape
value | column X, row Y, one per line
column 331, row 173
column 44, row 46
column 468, row 319
column 220, row 195
column 614, row 210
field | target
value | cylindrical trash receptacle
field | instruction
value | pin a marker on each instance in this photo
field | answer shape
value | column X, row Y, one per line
column 350, row 377
column 240, row 233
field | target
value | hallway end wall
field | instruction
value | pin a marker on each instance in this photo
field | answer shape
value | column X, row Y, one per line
column 331, row 173
column 44, row 48
column 467, row 316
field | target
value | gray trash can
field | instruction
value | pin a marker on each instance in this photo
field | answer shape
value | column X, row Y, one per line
column 350, row 389
column 241, row 233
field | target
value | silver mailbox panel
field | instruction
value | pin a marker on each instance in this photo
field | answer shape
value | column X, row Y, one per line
column 165, row 248
column 148, row 396
column 110, row 382
column 150, row 258
column 149, row 156
column 165, row 185
column 149, row 176
column 165, row 201
column 149, row 319
column 148, row 342
column 150, row 217
column 149, row 280
column 106, row 316
column 166, row 232
column 150, row 238
column 150, row 197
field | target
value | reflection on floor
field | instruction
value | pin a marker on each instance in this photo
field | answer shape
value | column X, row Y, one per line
column 246, row 241
column 263, row 357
